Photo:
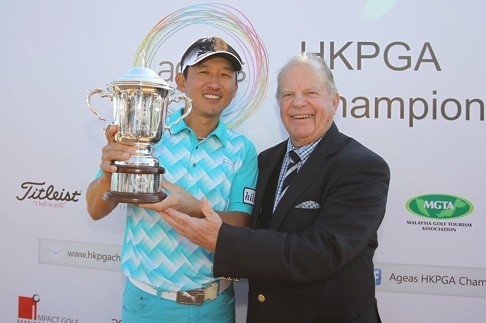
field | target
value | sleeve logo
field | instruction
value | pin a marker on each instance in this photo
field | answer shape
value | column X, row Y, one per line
column 248, row 196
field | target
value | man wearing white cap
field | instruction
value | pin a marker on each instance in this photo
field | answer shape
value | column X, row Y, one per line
column 170, row 279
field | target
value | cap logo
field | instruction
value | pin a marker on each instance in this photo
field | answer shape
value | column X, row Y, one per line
column 217, row 45
column 202, row 51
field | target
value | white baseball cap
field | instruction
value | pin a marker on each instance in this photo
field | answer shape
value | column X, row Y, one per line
column 207, row 47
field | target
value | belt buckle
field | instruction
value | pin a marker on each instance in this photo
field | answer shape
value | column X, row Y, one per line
column 191, row 297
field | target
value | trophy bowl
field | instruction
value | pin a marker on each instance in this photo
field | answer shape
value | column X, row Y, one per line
column 140, row 104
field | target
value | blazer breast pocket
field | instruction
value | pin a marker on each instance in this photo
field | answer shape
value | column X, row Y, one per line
column 302, row 218
column 308, row 205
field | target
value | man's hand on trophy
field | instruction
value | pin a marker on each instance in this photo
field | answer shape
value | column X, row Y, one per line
column 178, row 199
column 113, row 150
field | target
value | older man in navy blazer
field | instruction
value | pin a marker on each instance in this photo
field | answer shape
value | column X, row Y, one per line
column 309, row 253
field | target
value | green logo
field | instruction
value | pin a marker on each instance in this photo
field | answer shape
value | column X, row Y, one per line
column 439, row 206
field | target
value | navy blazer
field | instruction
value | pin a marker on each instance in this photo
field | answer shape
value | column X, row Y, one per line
column 314, row 262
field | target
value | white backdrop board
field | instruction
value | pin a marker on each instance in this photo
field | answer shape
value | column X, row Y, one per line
column 412, row 79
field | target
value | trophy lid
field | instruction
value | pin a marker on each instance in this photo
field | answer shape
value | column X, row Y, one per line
column 141, row 76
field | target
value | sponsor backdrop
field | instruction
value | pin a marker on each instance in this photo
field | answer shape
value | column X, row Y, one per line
column 412, row 79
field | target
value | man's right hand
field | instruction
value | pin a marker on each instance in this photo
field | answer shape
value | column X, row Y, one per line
column 113, row 150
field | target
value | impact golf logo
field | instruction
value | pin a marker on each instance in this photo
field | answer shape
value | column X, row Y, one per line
column 28, row 312
column 28, row 307
column 439, row 211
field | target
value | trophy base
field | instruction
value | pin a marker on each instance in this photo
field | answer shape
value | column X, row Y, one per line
column 136, row 184
column 121, row 197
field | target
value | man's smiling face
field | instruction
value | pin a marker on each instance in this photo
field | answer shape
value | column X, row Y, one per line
column 306, row 107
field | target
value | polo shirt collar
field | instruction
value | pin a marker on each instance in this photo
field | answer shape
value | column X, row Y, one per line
column 219, row 132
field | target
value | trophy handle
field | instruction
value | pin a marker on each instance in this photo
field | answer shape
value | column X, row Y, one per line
column 88, row 101
column 187, row 110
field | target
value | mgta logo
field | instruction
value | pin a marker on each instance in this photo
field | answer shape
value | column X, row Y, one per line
column 439, row 206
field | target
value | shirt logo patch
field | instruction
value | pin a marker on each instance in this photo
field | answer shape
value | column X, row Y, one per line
column 229, row 162
column 248, row 196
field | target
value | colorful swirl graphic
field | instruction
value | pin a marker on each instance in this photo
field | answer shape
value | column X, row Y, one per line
column 235, row 24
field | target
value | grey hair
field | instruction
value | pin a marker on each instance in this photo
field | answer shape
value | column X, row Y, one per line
column 316, row 63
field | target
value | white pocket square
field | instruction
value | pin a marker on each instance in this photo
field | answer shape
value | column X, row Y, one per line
column 308, row 205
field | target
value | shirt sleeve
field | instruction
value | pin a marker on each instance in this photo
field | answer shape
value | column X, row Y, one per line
column 242, row 191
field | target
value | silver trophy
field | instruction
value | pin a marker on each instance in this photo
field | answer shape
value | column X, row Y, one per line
column 140, row 103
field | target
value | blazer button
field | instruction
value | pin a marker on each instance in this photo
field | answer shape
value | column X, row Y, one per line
column 261, row 298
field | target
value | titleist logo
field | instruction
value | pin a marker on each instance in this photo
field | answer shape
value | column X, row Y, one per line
column 38, row 191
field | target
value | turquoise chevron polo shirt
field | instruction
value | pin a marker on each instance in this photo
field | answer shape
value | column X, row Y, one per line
column 223, row 168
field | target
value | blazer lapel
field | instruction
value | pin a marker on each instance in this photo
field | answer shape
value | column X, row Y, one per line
column 268, row 161
column 307, row 174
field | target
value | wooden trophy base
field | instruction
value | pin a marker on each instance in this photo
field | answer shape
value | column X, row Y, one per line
column 120, row 197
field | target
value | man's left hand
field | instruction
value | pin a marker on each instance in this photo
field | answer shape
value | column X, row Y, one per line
column 201, row 231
